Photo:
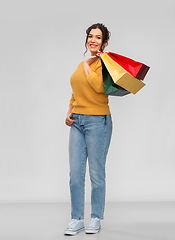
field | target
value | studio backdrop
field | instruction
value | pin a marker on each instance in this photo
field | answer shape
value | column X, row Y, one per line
column 41, row 45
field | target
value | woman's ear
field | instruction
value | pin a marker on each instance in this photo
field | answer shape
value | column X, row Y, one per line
column 104, row 45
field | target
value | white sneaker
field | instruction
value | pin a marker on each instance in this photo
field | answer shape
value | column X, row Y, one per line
column 94, row 226
column 74, row 227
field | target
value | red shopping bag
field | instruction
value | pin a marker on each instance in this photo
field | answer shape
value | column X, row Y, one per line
column 121, row 75
column 136, row 69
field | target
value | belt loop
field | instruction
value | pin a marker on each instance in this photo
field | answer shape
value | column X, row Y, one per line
column 81, row 119
column 105, row 119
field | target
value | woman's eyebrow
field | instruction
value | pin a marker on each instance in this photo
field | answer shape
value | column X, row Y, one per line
column 95, row 35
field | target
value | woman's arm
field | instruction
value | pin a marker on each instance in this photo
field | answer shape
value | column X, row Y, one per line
column 69, row 121
column 94, row 78
column 87, row 64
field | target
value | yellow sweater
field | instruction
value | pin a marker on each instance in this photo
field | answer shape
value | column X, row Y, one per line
column 88, row 95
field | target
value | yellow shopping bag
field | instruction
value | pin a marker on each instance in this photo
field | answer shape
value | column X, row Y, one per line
column 120, row 76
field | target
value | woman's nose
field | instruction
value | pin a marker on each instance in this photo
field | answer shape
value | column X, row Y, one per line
column 93, row 40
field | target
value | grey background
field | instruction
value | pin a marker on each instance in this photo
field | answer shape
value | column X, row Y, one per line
column 41, row 44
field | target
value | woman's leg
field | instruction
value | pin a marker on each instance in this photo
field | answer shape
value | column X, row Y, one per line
column 97, row 137
column 77, row 161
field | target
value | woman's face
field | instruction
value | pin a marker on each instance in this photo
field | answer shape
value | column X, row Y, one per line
column 94, row 41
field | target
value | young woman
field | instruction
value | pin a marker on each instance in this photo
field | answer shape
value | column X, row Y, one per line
column 91, row 126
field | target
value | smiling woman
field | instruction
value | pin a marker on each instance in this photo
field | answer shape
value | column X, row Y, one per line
column 100, row 32
column 91, row 127
column 94, row 44
column 94, row 41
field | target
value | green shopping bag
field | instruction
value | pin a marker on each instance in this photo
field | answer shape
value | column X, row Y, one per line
column 110, row 87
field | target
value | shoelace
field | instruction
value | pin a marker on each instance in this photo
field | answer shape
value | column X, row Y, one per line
column 73, row 223
column 93, row 221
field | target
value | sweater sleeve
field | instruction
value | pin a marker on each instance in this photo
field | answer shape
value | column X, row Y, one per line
column 95, row 79
column 72, row 100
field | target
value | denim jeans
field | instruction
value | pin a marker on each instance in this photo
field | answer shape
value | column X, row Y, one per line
column 90, row 137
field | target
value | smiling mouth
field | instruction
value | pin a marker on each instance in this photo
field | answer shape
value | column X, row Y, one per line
column 93, row 46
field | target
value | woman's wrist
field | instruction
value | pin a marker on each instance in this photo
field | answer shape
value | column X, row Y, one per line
column 87, row 68
column 70, row 109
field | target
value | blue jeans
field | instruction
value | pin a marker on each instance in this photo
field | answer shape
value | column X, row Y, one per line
column 90, row 137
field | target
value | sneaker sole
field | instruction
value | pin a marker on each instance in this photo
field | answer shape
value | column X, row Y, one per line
column 91, row 231
column 73, row 232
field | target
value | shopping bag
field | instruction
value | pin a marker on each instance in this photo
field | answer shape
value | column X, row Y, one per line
column 110, row 87
column 124, row 73
column 136, row 69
